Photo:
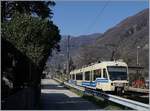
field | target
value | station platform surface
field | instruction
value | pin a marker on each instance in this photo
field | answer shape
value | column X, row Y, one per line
column 55, row 97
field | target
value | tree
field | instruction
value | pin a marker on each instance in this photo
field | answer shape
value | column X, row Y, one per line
column 29, row 36
column 36, row 8
column 32, row 36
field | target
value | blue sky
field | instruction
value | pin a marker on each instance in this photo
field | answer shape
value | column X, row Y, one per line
column 86, row 17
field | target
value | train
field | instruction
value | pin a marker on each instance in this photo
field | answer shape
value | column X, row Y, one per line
column 108, row 76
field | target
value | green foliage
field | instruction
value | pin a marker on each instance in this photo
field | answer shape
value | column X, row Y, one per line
column 38, row 8
column 33, row 36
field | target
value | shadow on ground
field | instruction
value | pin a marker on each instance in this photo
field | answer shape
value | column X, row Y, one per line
column 60, row 101
column 53, row 86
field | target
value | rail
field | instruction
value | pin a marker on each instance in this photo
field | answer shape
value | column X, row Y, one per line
column 58, row 80
column 119, row 100
column 74, row 86
column 138, row 90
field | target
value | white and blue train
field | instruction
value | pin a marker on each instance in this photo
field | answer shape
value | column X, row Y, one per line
column 105, row 76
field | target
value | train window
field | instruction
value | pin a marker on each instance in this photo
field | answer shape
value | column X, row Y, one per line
column 70, row 76
column 79, row 76
column 97, row 73
column 104, row 73
column 73, row 77
column 87, row 75
column 91, row 76
column 117, row 72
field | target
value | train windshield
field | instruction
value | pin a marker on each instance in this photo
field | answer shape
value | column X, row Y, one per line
column 117, row 72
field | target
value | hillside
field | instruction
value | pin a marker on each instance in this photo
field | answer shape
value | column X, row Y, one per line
column 122, row 42
column 58, row 59
column 119, row 42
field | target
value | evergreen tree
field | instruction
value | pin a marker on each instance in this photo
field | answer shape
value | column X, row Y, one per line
column 37, row 8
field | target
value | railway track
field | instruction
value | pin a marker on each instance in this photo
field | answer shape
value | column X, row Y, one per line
column 113, row 98
column 136, row 96
column 140, row 97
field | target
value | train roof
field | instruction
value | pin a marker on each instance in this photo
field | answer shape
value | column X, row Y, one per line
column 102, row 64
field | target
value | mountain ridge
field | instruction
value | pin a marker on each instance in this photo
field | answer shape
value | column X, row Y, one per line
column 119, row 42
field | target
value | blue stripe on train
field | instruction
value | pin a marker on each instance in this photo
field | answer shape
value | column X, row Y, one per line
column 72, row 81
column 93, row 84
column 102, row 80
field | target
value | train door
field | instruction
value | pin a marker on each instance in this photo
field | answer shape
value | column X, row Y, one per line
column 102, row 82
column 87, row 76
column 97, row 74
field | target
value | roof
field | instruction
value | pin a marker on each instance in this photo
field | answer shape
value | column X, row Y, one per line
column 102, row 64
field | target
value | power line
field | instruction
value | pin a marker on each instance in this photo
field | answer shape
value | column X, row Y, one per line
column 98, row 15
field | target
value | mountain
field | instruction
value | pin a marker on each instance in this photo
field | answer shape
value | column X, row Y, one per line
column 77, row 42
column 118, row 42
column 129, row 34
column 60, row 58
column 121, row 42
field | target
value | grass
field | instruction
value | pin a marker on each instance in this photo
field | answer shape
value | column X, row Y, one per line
column 76, row 91
column 105, row 104
column 102, row 103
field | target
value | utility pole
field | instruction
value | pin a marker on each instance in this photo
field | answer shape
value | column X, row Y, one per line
column 137, row 61
column 68, row 57
column 137, row 56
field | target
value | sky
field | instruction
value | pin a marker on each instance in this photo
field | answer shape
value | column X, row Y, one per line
column 86, row 17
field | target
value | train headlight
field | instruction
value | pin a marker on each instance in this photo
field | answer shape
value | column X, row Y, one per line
column 126, row 84
column 112, row 84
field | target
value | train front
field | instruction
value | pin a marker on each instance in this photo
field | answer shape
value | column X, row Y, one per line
column 118, row 75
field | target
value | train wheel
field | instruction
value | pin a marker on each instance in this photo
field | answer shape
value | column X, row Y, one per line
column 123, row 91
column 119, row 91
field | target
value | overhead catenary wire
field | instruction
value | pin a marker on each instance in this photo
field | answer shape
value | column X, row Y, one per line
column 90, row 26
column 98, row 16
